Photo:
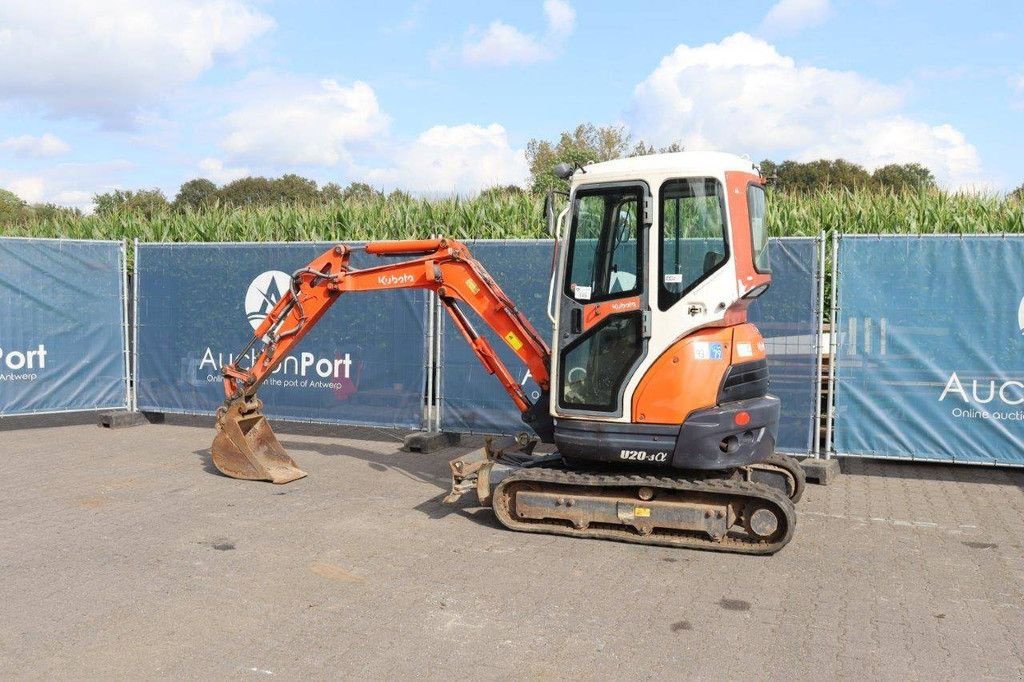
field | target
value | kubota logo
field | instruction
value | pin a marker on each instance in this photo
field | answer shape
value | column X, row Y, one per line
column 393, row 280
column 263, row 294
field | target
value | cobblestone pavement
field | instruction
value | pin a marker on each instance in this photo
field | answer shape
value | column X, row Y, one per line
column 124, row 554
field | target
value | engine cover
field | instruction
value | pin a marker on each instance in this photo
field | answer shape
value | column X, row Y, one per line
column 733, row 434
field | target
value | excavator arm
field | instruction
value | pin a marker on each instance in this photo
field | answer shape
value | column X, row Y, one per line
column 245, row 446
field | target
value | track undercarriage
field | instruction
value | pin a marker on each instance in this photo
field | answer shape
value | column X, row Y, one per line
column 748, row 510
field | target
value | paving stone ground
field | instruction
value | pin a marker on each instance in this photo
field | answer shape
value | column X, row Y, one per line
column 123, row 554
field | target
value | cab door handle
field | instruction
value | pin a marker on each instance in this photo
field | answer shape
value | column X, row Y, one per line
column 576, row 320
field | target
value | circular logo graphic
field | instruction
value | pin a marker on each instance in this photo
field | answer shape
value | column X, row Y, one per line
column 263, row 294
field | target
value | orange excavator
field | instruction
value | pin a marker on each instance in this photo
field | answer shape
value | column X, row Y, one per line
column 654, row 390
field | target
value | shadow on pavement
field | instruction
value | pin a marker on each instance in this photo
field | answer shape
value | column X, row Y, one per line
column 934, row 471
column 432, row 469
column 46, row 421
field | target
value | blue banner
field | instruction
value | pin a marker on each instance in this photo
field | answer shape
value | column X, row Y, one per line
column 787, row 315
column 472, row 402
column 931, row 352
column 62, row 326
column 364, row 363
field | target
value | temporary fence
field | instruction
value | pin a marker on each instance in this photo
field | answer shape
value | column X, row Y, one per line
column 196, row 304
column 63, row 326
column 788, row 314
column 924, row 343
column 930, row 361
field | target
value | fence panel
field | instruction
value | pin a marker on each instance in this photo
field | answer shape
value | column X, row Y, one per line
column 62, row 326
column 930, row 359
column 364, row 363
column 787, row 315
column 472, row 402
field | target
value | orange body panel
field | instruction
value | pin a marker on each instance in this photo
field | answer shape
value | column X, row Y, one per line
column 687, row 376
column 595, row 312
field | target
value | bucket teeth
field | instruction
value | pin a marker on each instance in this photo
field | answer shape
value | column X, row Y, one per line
column 245, row 447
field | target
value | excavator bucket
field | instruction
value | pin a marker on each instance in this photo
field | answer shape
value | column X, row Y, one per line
column 245, row 447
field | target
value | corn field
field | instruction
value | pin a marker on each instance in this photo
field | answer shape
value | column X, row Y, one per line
column 513, row 217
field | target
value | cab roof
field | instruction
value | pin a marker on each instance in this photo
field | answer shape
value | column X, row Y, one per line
column 663, row 165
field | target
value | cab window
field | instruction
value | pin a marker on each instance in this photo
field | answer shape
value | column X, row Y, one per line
column 758, row 229
column 692, row 236
column 604, row 255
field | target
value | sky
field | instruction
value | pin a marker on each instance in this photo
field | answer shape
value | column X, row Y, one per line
column 441, row 97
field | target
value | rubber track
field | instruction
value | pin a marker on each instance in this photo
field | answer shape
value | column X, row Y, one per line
column 718, row 487
column 791, row 465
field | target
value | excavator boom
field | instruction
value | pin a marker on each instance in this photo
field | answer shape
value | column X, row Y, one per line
column 245, row 446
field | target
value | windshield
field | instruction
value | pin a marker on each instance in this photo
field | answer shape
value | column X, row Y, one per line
column 604, row 254
column 692, row 233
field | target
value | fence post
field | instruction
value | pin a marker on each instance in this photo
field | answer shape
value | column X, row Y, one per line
column 818, row 342
column 125, row 322
column 833, row 348
column 428, row 401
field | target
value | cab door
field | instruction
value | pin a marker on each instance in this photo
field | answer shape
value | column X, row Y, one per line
column 603, row 302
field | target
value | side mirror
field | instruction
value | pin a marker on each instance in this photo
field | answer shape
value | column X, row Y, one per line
column 563, row 170
column 549, row 211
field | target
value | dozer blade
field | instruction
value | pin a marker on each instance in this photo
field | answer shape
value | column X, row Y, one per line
column 245, row 447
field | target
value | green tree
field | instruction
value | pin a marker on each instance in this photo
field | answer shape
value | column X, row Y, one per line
column 821, row 174
column 144, row 202
column 360, row 191
column 904, row 176
column 644, row 149
column 330, row 193
column 249, row 191
column 195, row 194
column 294, row 189
column 260, row 191
column 585, row 144
column 499, row 192
column 12, row 208
column 54, row 213
column 769, row 170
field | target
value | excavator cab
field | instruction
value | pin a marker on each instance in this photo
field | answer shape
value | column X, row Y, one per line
column 654, row 359
column 654, row 389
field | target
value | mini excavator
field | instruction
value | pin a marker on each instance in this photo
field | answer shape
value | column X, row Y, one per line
column 654, row 391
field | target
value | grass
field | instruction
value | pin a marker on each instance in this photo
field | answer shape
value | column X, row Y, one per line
column 510, row 217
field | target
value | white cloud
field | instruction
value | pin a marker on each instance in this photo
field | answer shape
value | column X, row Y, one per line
column 501, row 44
column 68, row 184
column 561, row 17
column 411, row 21
column 461, row 159
column 28, row 188
column 299, row 123
column 104, row 59
column 29, row 146
column 214, row 169
column 741, row 95
column 792, row 16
